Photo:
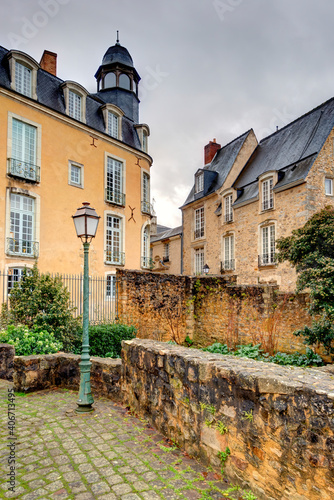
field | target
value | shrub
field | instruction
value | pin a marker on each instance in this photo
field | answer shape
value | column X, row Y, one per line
column 249, row 351
column 297, row 359
column 217, row 348
column 106, row 340
column 27, row 342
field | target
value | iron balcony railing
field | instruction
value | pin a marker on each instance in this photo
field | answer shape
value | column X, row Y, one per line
column 199, row 233
column 228, row 265
column 147, row 263
column 229, row 217
column 115, row 197
column 114, row 256
column 24, row 248
column 24, row 170
column 266, row 205
column 146, row 207
column 267, row 259
column 165, row 258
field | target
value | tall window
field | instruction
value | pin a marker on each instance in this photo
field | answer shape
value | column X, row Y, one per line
column 124, row 82
column 23, row 161
column 113, row 124
column 22, row 225
column 14, row 275
column 329, row 186
column 267, row 194
column 199, row 223
column 146, row 248
column 74, row 105
column 229, row 253
column 228, row 208
column 23, row 79
column 146, row 206
column 166, row 252
column 144, row 145
column 114, row 254
column 199, row 260
column 199, row 182
column 268, row 245
column 111, row 286
column 114, row 182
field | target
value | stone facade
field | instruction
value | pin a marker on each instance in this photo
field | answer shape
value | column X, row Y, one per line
column 7, row 353
column 170, row 264
column 276, row 422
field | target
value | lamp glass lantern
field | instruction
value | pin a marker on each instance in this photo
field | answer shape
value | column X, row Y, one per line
column 86, row 221
column 206, row 269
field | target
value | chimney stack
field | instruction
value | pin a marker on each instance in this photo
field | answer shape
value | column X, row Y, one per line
column 210, row 150
column 49, row 62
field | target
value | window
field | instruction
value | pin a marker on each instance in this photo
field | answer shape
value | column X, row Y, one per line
column 75, row 174
column 14, row 275
column 114, row 182
column 267, row 194
column 114, row 240
column 143, row 132
column 111, row 286
column 146, row 259
column 23, row 79
column 113, row 124
column 199, row 260
column 109, row 81
column 144, row 144
column 22, row 226
column 24, row 151
column 124, row 82
column 166, row 253
column 329, row 186
column 74, row 105
column 228, row 208
column 145, row 204
column 199, row 182
column 199, row 223
column 267, row 246
column 228, row 262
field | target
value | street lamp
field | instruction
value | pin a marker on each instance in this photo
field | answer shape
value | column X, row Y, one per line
column 86, row 221
column 206, row 269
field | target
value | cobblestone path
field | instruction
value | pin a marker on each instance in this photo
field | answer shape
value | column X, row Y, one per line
column 106, row 454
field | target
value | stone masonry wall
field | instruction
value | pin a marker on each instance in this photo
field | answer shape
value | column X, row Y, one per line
column 275, row 424
column 7, row 353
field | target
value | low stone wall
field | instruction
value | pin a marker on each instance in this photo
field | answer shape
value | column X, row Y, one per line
column 7, row 353
column 277, row 422
column 32, row 373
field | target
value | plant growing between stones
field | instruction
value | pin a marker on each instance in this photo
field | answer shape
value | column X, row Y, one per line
column 248, row 495
column 223, row 456
column 221, row 427
column 248, row 415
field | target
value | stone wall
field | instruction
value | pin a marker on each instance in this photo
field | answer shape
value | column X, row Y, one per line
column 7, row 353
column 277, row 422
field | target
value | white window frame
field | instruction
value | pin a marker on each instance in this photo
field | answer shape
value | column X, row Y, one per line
column 143, row 131
column 199, row 259
column 72, row 88
column 267, row 244
column 145, row 247
column 112, row 165
column 166, row 255
column 199, row 223
column 329, row 181
column 228, row 210
column 71, row 166
column 17, row 57
column 267, row 194
column 228, row 252
column 110, row 292
column 199, row 182
column 119, row 260
column 146, row 192
column 107, row 111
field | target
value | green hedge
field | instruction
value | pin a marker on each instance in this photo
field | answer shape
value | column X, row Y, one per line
column 106, row 340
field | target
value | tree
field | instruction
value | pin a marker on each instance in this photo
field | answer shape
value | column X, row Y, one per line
column 41, row 301
column 311, row 250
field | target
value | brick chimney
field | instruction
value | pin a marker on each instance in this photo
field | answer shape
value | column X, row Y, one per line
column 210, row 150
column 49, row 62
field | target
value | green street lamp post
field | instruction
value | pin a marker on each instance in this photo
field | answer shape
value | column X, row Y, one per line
column 86, row 221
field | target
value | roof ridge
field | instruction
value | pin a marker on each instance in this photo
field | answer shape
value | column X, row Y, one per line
column 233, row 140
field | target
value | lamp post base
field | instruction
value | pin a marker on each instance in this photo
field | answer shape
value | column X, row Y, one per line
column 84, row 408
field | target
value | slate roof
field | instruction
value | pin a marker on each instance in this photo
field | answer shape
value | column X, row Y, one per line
column 167, row 234
column 50, row 94
column 291, row 151
column 221, row 165
column 117, row 54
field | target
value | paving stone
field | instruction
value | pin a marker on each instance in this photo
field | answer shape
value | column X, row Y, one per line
column 150, row 495
column 99, row 488
column 121, row 488
column 140, row 485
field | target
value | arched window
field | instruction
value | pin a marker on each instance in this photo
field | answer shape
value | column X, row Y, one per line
column 109, row 81
column 124, row 82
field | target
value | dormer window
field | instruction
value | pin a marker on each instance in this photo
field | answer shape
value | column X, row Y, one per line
column 267, row 194
column 113, row 120
column 143, row 131
column 228, row 211
column 23, row 72
column 75, row 100
column 199, row 182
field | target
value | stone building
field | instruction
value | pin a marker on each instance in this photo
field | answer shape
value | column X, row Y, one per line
column 275, row 187
column 62, row 145
column 166, row 246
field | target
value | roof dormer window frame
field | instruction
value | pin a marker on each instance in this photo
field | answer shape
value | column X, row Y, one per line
column 110, row 111
column 199, row 181
column 267, row 182
column 75, row 88
column 143, row 132
column 19, row 60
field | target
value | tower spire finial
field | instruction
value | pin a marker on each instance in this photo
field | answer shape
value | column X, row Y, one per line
column 117, row 38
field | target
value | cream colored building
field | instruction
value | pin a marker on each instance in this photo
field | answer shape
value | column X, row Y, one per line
column 166, row 246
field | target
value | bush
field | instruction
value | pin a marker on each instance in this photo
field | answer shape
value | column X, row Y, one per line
column 297, row 359
column 249, row 351
column 27, row 342
column 41, row 302
column 105, row 340
column 217, row 348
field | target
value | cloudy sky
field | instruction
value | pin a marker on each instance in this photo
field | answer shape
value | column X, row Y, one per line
column 209, row 68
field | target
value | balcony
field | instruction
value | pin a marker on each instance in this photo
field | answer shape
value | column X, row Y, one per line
column 227, row 265
column 199, row 233
column 268, row 204
column 23, row 248
column 114, row 256
column 229, row 217
column 115, row 197
column 267, row 259
column 23, row 170
column 147, row 263
column 146, row 207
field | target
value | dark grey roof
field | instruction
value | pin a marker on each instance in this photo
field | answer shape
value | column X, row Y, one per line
column 221, row 165
column 167, row 234
column 50, row 94
column 291, row 151
column 117, row 54
column 162, row 229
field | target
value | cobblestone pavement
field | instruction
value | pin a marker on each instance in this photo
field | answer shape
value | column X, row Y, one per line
column 105, row 454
